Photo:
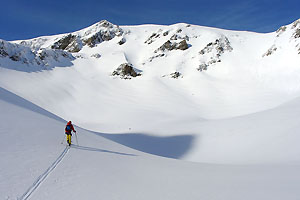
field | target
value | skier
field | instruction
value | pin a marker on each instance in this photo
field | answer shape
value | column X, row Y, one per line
column 68, row 131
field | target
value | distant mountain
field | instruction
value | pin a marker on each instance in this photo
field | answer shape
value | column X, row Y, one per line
column 204, row 45
column 221, row 73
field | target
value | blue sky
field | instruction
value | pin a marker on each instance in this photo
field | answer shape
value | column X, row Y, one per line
column 24, row 19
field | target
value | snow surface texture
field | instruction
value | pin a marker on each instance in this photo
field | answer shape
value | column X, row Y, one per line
column 226, row 100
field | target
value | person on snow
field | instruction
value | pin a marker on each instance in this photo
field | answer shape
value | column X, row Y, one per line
column 68, row 131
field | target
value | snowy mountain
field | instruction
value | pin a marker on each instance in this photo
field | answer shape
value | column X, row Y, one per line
column 226, row 100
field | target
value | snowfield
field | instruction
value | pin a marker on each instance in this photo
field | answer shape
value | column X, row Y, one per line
column 195, row 113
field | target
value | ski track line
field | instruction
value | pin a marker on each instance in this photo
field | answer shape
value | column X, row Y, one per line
column 43, row 176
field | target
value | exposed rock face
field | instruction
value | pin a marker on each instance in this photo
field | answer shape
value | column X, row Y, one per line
column 3, row 52
column 102, row 31
column 156, row 56
column 297, row 33
column 69, row 43
column 166, row 33
column 91, row 36
column 126, row 71
column 151, row 38
column 177, row 41
column 296, row 23
column 26, row 55
column 220, row 46
column 182, row 45
column 96, row 55
column 92, row 41
column 180, row 37
column 122, row 41
column 46, row 56
column 175, row 75
column 215, row 50
column 202, row 67
column 16, row 52
column 270, row 51
column 281, row 30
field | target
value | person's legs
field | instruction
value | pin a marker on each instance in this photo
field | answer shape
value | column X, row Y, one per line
column 69, row 139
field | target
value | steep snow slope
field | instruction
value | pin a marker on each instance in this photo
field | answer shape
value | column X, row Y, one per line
column 34, row 165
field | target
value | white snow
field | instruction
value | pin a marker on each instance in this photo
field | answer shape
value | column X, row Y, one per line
column 228, row 132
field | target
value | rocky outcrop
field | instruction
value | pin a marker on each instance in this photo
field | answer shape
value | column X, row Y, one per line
column 96, row 55
column 102, row 31
column 70, row 43
column 281, row 30
column 296, row 23
column 176, row 42
column 152, row 37
column 122, row 41
column 212, row 52
column 219, row 46
column 47, row 56
column 91, row 36
column 297, row 33
column 92, row 41
column 166, row 33
column 160, row 33
column 202, row 67
column 25, row 55
column 174, row 75
column 270, row 51
column 3, row 51
column 180, row 36
column 126, row 71
column 156, row 56
column 171, row 45
column 15, row 52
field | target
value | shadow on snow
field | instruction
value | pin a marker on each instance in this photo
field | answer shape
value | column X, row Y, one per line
column 30, row 67
column 16, row 100
column 99, row 150
column 171, row 147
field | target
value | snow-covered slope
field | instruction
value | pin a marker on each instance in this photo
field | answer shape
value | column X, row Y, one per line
column 227, row 100
column 174, row 74
column 34, row 165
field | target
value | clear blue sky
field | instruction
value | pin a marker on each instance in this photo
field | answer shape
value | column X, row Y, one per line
column 24, row 19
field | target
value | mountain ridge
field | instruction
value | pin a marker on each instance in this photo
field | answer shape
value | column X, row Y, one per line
column 192, row 63
column 48, row 46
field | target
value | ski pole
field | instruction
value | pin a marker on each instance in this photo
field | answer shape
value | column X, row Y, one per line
column 63, row 139
column 76, row 138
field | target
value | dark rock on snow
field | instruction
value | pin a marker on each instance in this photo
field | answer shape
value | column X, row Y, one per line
column 126, row 71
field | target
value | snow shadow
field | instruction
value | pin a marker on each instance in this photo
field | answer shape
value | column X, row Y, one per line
column 99, row 150
column 171, row 147
column 31, row 67
column 16, row 100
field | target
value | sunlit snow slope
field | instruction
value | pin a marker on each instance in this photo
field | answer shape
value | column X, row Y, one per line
column 34, row 165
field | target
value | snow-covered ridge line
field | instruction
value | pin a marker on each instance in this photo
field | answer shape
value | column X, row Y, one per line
column 21, row 54
column 51, row 49
column 74, row 42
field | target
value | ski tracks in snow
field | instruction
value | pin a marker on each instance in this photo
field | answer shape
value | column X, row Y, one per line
column 43, row 176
